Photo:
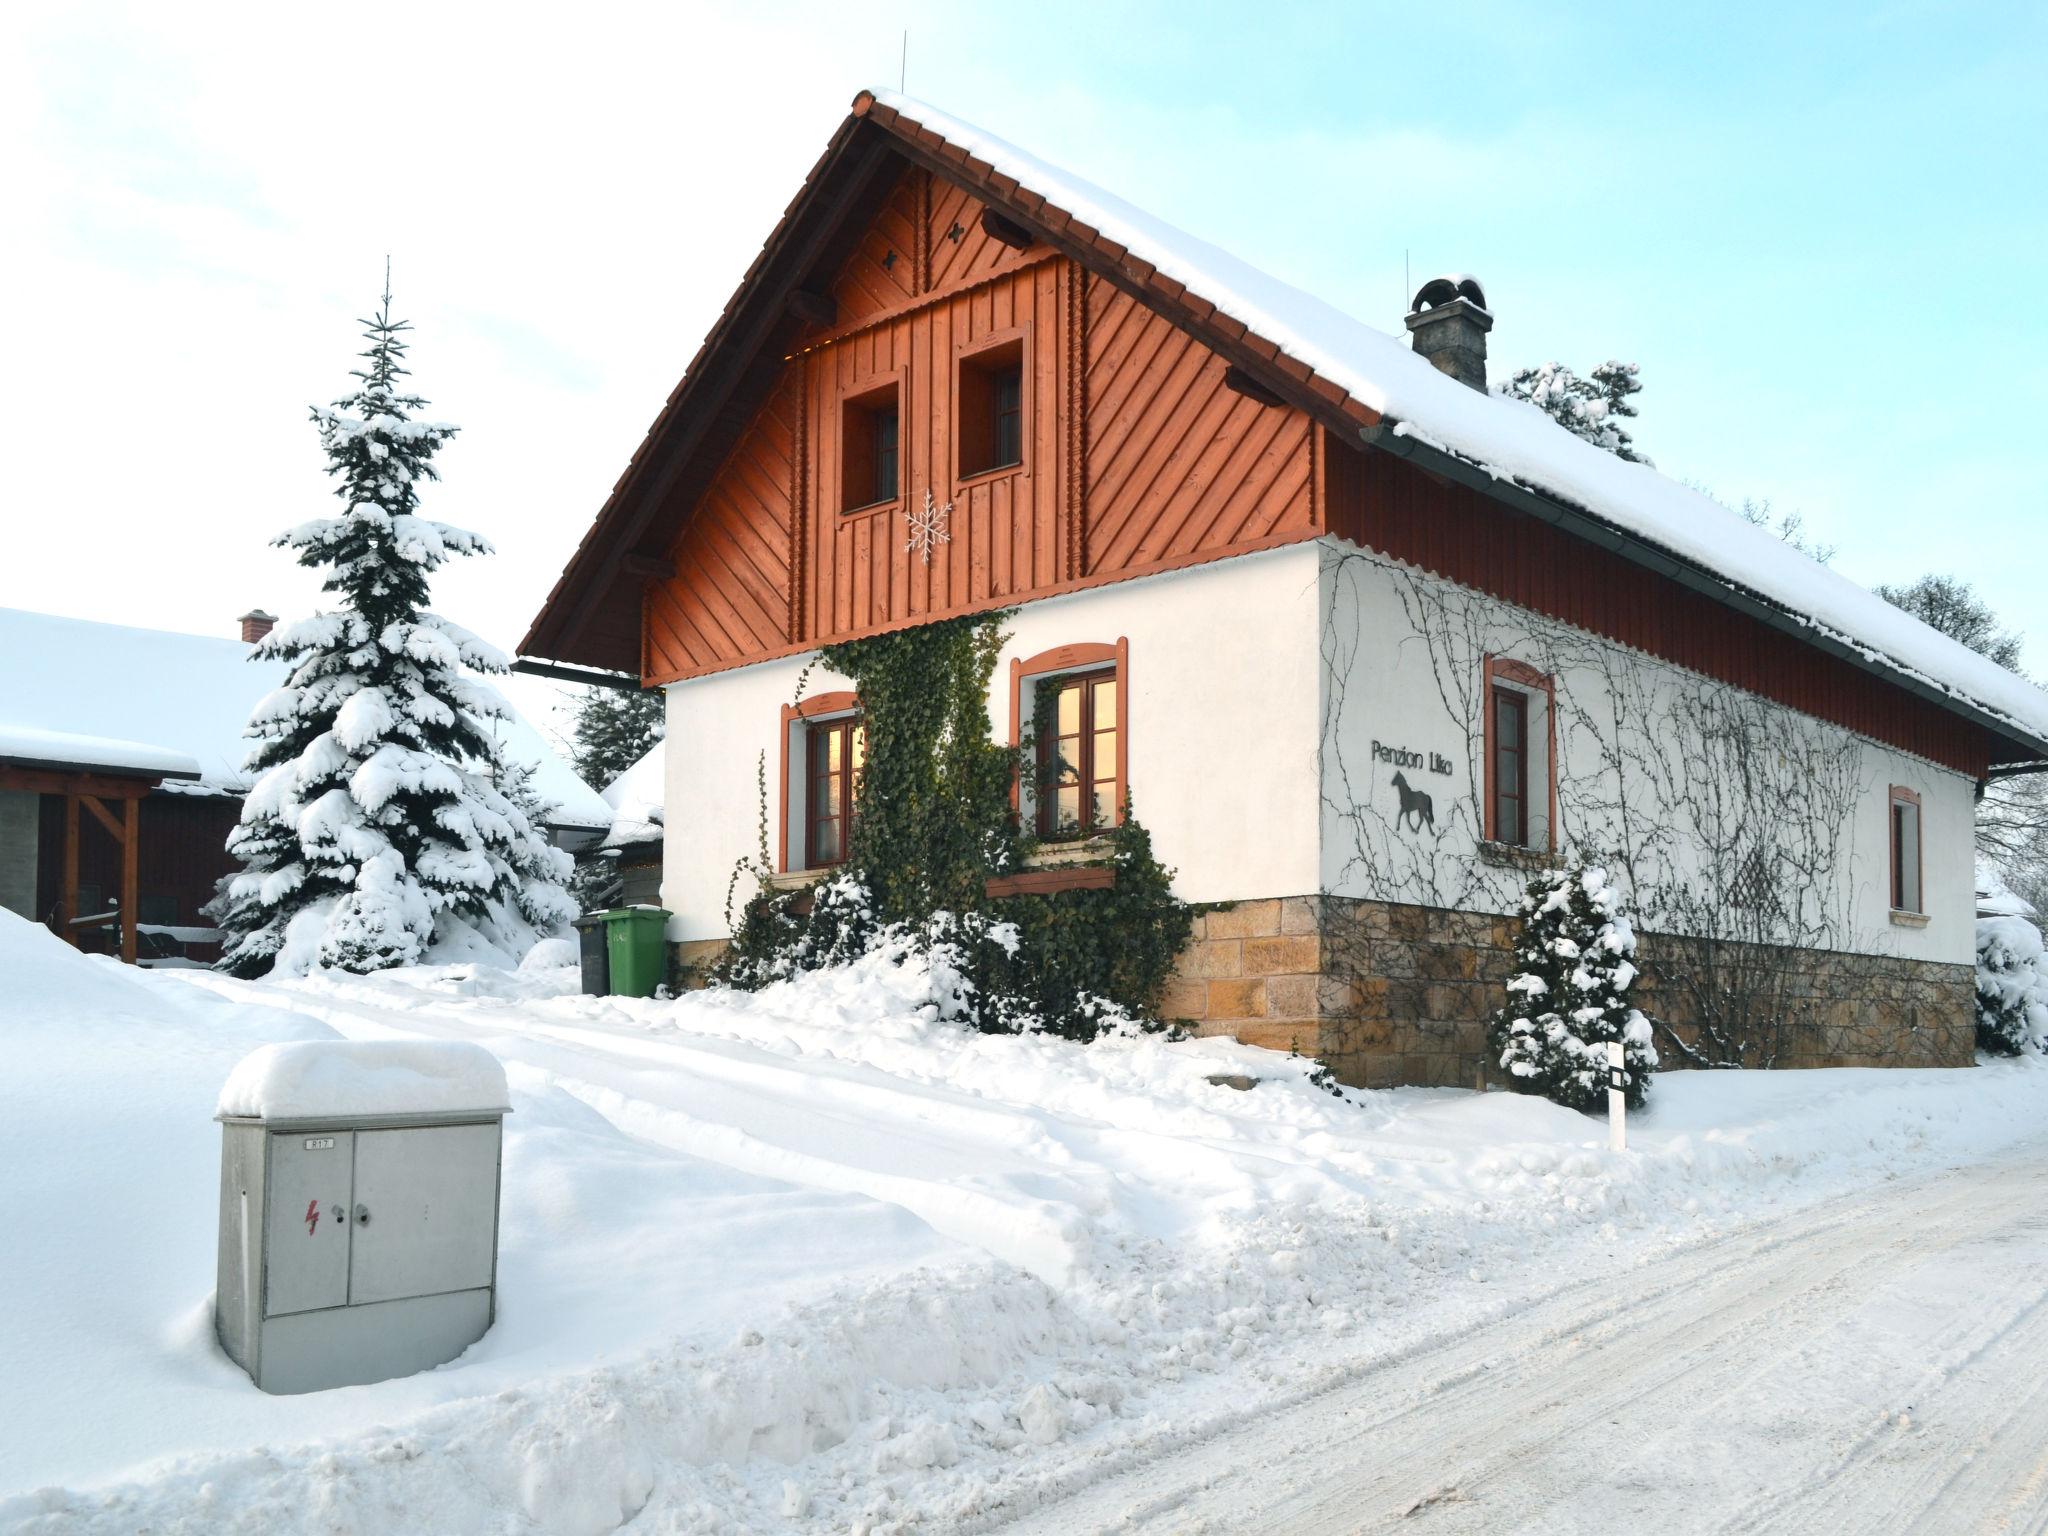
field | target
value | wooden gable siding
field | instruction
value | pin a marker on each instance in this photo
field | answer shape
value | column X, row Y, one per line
column 959, row 248
column 1137, row 456
column 1178, row 463
column 884, row 270
column 729, row 600
column 1005, row 534
column 1381, row 503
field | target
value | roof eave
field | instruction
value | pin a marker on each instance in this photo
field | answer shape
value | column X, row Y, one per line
column 1595, row 529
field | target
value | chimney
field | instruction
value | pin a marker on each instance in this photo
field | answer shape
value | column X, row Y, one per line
column 1449, row 323
column 256, row 624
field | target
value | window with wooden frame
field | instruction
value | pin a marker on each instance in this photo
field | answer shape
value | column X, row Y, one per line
column 990, row 397
column 871, row 448
column 1510, row 748
column 1077, row 720
column 824, row 748
column 1077, row 755
column 1905, row 822
column 835, row 751
column 1520, row 806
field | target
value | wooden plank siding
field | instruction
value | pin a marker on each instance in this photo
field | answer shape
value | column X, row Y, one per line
column 1005, row 535
column 1380, row 503
column 728, row 601
column 1179, row 464
column 1137, row 456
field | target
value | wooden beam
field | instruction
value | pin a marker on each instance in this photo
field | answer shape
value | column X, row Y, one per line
column 58, row 781
column 1235, row 378
column 131, row 880
column 1008, row 231
column 67, row 899
column 652, row 567
column 813, row 307
column 104, row 816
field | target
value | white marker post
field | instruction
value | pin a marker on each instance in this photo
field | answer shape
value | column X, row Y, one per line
column 1617, row 1100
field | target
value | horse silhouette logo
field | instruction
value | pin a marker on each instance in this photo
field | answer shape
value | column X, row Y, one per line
column 1415, row 803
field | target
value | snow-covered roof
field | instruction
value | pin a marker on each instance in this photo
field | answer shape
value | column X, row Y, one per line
column 162, row 702
column 1509, row 440
column 635, row 799
column 31, row 744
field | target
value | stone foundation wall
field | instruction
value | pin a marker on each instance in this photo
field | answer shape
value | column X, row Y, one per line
column 1392, row 994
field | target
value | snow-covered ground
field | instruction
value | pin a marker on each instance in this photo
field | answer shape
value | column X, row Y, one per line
column 811, row 1261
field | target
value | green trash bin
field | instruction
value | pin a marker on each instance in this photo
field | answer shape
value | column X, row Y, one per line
column 637, row 940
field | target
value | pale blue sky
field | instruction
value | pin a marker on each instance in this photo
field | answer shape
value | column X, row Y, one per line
column 1820, row 232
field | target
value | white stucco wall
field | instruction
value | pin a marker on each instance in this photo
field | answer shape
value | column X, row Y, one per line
column 1403, row 665
column 1222, row 716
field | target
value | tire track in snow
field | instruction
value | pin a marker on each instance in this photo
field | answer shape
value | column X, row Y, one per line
column 1599, row 1412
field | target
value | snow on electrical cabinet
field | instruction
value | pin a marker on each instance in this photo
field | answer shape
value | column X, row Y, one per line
column 359, row 1186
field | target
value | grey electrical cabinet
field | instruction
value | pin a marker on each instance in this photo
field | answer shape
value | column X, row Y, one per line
column 356, row 1246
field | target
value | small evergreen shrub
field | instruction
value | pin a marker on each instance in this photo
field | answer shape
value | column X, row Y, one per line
column 1568, row 996
column 2012, row 987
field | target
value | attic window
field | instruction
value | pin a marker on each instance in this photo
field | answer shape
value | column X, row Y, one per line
column 991, row 404
column 870, row 448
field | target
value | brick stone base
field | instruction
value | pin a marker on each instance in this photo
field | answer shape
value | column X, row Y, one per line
column 1391, row 994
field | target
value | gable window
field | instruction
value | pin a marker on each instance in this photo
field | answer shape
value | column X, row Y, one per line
column 1071, row 704
column 834, row 753
column 870, row 448
column 991, row 408
column 1520, row 791
column 1906, row 892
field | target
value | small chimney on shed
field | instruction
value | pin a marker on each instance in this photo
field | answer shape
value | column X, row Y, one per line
column 1449, row 321
column 256, row 624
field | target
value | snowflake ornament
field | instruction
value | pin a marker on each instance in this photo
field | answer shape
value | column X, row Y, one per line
column 927, row 526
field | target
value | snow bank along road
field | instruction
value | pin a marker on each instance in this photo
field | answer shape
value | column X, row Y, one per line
column 1874, row 1365
column 810, row 1261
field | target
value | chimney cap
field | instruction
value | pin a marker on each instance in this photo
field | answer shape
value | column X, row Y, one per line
column 257, row 613
column 1439, row 291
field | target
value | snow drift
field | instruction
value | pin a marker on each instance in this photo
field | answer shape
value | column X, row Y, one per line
column 810, row 1259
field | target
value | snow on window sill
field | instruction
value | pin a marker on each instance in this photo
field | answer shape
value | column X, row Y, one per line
column 1908, row 919
column 798, row 879
column 1054, row 853
column 1514, row 856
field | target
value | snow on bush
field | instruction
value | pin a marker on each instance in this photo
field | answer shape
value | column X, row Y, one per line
column 2012, row 987
column 1568, row 996
column 384, row 821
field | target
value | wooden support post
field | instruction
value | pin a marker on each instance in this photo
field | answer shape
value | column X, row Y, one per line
column 67, row 900
column 131, row 879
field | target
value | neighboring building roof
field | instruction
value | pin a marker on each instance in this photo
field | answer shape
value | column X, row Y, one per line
column 635, row 799
column 67, row 749
column 1342, row 371
column 176, row 704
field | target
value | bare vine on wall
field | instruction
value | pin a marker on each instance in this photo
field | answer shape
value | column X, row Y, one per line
column 1729, row 817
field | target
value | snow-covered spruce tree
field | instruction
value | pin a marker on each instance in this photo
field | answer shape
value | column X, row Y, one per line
column 1590, row 408
column 2012, row 987
column 1568, row 996
column 380, row 821
column 615, row 728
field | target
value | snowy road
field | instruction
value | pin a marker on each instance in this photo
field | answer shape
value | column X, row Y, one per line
column 1879, row 1364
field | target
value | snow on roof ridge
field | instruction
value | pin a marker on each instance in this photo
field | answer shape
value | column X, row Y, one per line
column 1510, row 439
